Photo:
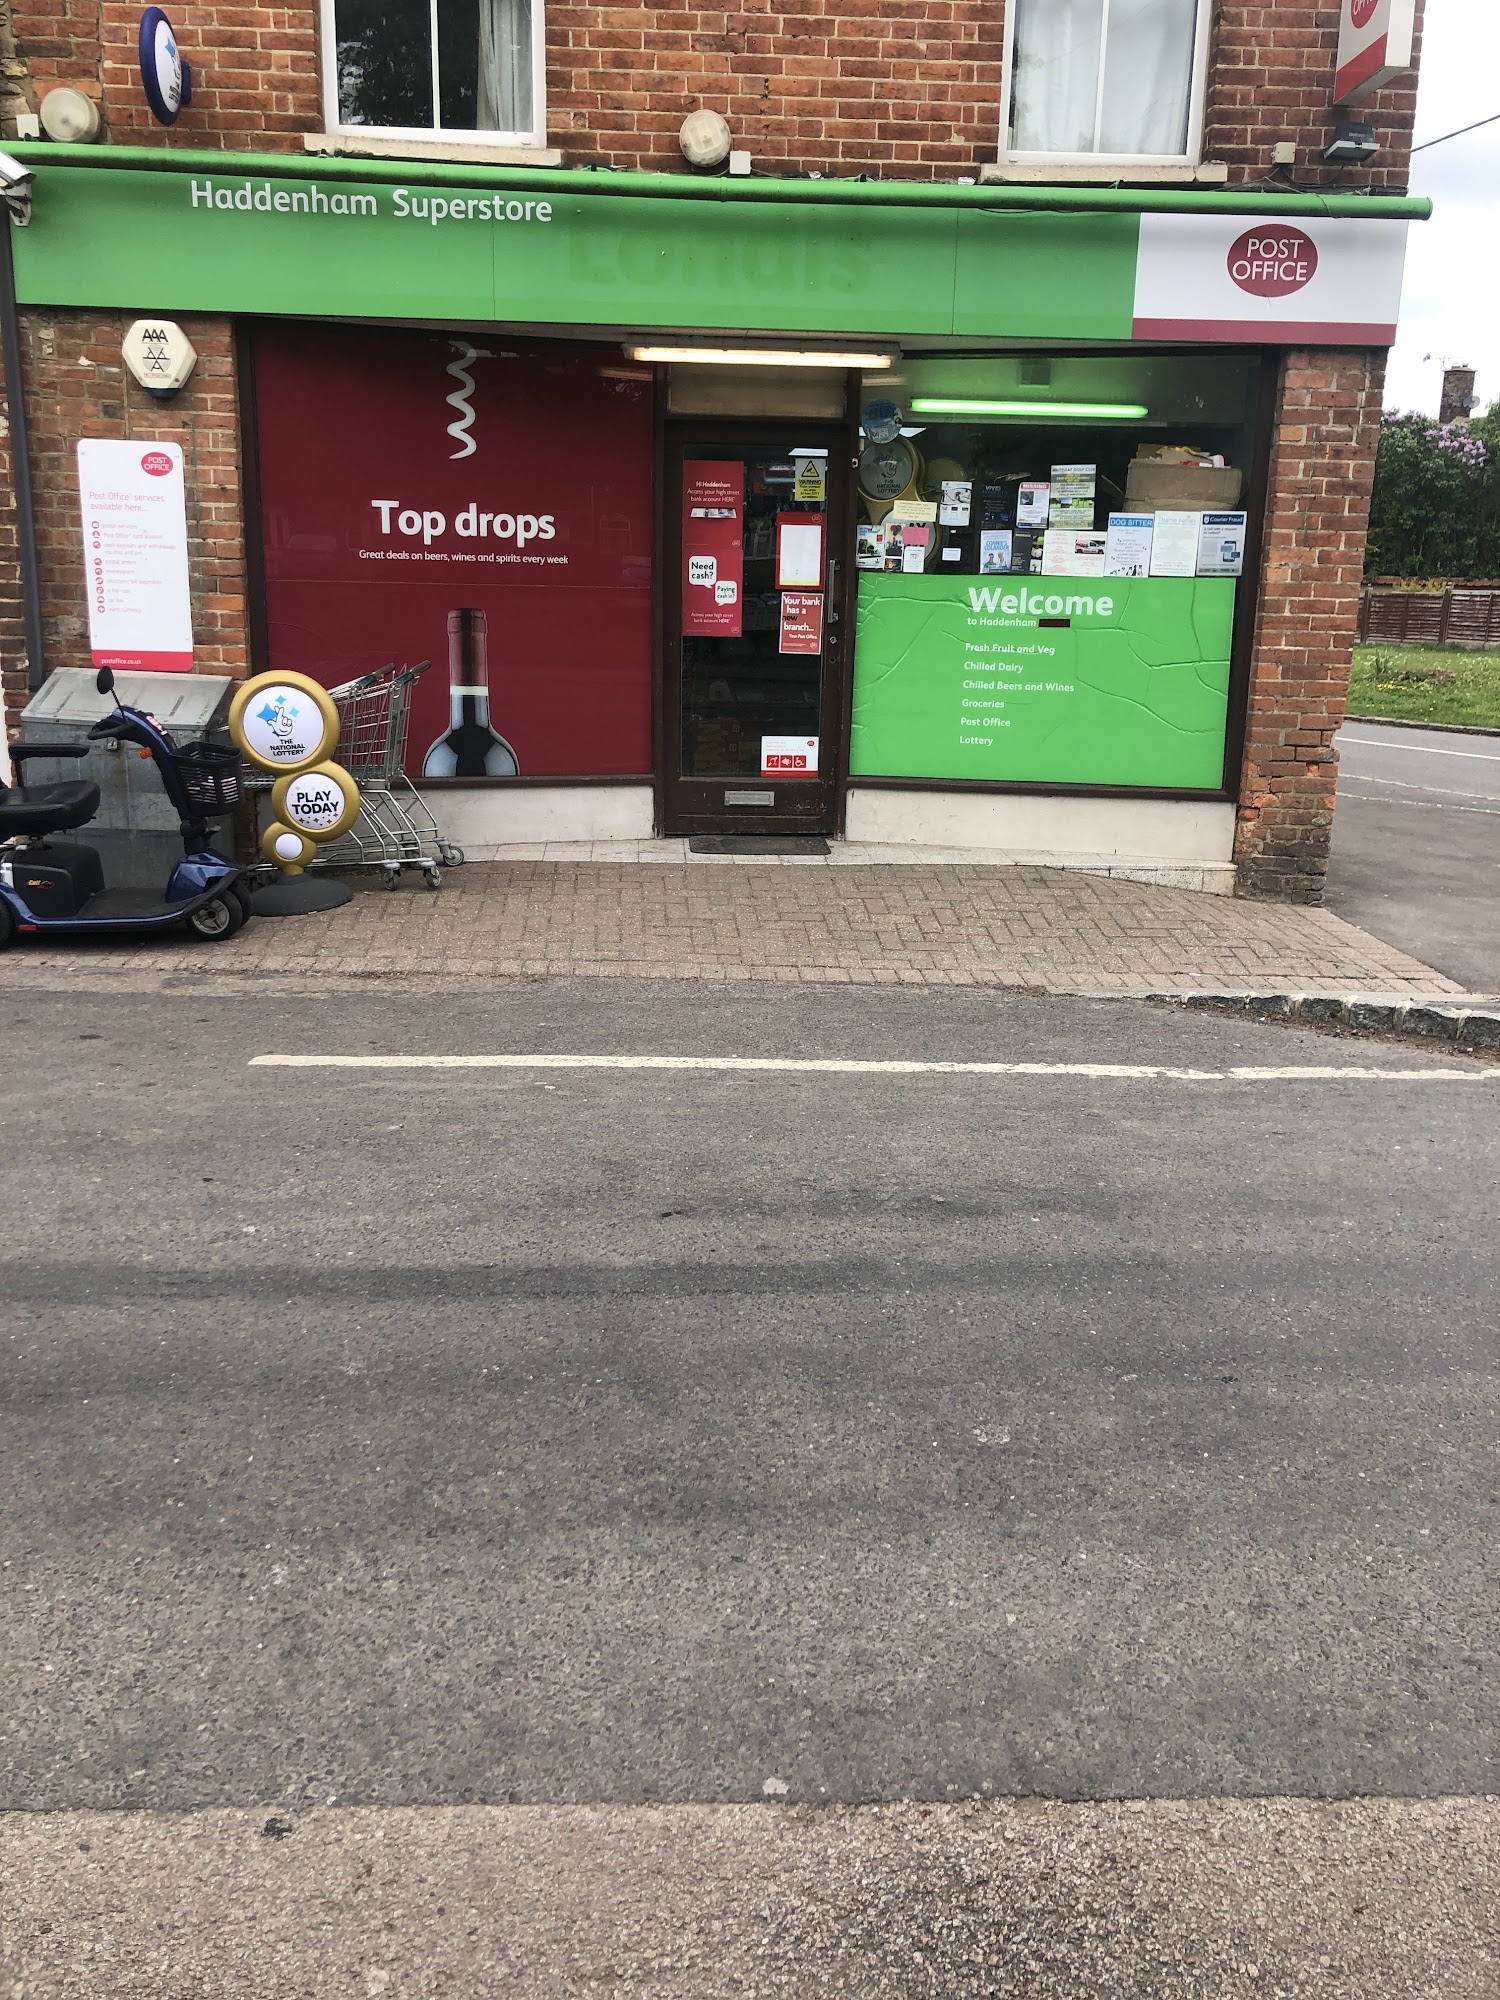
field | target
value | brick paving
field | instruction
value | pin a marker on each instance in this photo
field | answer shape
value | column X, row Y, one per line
column 1038, row 928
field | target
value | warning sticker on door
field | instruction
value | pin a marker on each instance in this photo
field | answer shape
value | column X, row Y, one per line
column 789, row 756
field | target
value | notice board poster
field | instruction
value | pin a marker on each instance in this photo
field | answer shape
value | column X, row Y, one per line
column 417, row 486
column 713, row 548
column 134, row 518
column 1065, row 680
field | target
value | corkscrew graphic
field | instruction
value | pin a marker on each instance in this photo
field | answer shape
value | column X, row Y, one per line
column 462, row 399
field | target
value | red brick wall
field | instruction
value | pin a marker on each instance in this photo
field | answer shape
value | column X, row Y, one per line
column 255, row 68
column 1322, row 467
column 76, row 387
column 904, row 88
column 1271, row 78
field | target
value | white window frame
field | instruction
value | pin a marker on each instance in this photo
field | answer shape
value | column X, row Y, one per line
column 448, row 134
column 1197, row 92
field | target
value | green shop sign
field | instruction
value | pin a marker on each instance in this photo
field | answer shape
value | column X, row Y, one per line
column 1043, row 680
column 239, row 233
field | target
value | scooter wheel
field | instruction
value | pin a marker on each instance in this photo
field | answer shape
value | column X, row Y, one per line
column 219, row 918
column 7, row 924
column 242, row 896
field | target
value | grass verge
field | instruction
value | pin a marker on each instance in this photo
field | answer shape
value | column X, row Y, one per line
column 1426, row 684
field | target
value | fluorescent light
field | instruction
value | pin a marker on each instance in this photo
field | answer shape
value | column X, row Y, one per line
column 967, row 406
column 766, row 357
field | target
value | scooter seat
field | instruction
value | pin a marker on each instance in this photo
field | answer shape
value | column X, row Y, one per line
column 46, row 808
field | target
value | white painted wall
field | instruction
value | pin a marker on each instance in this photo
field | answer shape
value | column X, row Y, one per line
column 1047, row 827
column 482, row 820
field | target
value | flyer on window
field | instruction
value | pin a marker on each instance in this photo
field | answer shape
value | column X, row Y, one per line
column 713, row 548
column 799, row 551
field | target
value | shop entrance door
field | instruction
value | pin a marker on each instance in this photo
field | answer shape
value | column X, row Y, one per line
column 755, row 627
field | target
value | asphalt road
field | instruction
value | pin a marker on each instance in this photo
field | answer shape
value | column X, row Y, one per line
column 1416, row 845
column 551, row 1436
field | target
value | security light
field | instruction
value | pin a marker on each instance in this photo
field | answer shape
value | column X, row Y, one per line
column 1353, row 144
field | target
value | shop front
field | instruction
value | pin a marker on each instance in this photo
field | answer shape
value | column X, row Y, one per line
column 920, row 515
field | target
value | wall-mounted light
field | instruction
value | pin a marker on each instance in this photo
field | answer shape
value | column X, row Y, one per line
column 68, row 117
column 766, row 357
column 705, row 139
column 989, row 406
column 1353, row 143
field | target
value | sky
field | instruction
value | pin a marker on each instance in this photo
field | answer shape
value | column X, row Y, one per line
column 1451, row 309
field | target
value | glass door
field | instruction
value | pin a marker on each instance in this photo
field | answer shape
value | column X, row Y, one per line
column 754, row 628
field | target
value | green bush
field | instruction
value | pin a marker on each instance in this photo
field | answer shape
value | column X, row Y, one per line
column 1435, row 510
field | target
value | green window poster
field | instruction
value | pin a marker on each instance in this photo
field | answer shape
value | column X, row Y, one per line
column 1061, row 680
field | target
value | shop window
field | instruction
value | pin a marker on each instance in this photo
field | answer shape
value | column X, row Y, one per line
column 436, row 68
column 1106, row 79
column 1051, row 552
column 476, row 506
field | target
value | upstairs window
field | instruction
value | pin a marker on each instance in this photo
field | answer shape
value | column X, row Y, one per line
column 436, row 68
column 1106, row 79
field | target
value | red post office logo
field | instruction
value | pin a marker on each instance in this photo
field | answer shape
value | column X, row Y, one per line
column 1362, row 12
column 157, row 463
column 1272, row 263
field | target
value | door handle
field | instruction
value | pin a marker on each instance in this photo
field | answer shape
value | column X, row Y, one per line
column 833, row 590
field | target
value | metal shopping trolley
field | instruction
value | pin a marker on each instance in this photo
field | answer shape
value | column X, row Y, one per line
column 394, row 828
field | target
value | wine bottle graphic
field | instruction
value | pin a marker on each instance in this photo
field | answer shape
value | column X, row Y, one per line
column 470, row 747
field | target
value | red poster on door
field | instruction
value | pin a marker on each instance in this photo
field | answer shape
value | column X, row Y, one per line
column 713, row 548
column 801, row 621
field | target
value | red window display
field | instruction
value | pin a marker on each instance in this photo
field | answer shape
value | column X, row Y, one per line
column 473, row 500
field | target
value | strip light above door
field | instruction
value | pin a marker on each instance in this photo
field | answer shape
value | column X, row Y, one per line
column 768, row 357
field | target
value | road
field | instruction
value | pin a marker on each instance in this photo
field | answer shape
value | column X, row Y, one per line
column 1416, row 845
column 427, row 1437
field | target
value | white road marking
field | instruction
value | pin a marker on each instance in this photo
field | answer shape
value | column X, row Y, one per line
column 837, row 1066
column 1422, row 804
column 1420, row 749
column 1405, row 785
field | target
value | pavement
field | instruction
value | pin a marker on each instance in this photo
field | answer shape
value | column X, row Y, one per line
column 548, row 1527
column 950, row 925
column 1416, row 846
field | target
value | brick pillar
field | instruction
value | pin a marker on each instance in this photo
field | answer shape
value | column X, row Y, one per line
column 1322, row 469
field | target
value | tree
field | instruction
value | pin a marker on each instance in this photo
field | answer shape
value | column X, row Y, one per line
column 1435, row 510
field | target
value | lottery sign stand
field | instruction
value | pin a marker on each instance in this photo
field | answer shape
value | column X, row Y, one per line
column 287, row 725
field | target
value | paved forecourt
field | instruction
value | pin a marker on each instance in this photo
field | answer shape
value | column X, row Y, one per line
column 1049, row 930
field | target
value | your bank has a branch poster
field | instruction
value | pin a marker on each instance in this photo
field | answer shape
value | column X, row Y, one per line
column 1065, row 680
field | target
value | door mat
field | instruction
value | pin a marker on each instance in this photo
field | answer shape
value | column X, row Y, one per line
column 757, row 843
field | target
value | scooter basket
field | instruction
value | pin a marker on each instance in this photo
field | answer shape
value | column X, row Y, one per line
column 210, row 776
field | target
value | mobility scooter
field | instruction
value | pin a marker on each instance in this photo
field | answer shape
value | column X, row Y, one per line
column 55, row 888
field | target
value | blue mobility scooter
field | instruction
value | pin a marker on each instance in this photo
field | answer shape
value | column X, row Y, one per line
column 55, row 888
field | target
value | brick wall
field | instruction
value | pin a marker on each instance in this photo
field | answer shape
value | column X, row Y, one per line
column 76, row 387
column 903, row 88
column 1271, row 78
column 1322, row 468
column 255, row 68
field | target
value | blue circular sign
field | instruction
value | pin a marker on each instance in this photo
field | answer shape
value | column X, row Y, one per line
column 165, row 77
column 881, row 422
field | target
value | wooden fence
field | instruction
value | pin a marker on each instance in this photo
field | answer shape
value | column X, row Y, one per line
column 1462, row 614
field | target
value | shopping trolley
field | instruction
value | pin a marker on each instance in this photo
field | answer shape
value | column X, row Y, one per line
column 394, row 828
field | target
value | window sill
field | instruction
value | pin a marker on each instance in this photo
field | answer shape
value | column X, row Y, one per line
column 372, row 146
column 1106, row 173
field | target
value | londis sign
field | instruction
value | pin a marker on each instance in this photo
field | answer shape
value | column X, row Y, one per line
column 1375, row 38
